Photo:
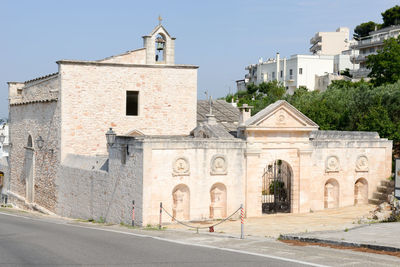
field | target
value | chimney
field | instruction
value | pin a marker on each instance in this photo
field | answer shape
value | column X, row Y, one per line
column 211, row 120
column 245, row 113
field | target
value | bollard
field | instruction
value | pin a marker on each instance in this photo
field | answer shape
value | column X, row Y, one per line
column 241, row 222
column 133, row 212
column 159, row 226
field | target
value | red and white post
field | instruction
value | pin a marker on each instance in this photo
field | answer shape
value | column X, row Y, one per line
column 133, row 212
column 241, row 222
column 159, row 225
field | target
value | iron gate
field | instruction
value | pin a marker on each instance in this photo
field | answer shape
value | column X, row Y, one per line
column 276, row 187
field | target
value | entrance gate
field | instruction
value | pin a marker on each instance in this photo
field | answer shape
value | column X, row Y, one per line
column 276, row 182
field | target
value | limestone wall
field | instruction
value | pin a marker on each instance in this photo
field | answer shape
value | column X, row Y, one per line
column 35, row 119
column 86, row 191
column 132, row 57
column 39, row 90
column 94, row 99
column 189, row 166
column 347, row 171
column 339, row 158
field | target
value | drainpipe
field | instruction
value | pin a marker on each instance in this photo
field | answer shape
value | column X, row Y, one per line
column 284, row 72
column 277, row 66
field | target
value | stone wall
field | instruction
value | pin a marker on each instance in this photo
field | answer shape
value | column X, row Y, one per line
column 86, row 191
column 94, row 98
column 43, row 89
column 189, row 163
column 35, row 119
column 131, row 57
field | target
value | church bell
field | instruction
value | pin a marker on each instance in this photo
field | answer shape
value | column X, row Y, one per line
column 160, row 43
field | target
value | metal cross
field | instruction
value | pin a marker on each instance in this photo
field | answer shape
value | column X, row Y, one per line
column 159, row 20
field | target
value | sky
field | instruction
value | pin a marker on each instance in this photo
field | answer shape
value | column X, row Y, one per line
column 222, row 37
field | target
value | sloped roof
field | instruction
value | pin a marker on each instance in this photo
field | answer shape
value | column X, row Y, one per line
column 225, row 114
column 205, row 130
column 273, row 107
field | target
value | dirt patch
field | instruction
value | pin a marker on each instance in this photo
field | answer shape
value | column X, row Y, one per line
column 368, row 250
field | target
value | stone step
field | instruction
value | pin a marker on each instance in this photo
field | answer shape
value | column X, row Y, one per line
column 383, row 189
column 387, row 183
column 375, row 201
column 381, row 196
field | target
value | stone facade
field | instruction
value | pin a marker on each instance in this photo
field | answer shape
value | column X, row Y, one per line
column 93, row 99
column 275, row 160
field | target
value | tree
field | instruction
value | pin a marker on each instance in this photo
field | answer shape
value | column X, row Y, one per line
column 364, row 29
column 346, row 72
column 391, row 16
column 385, row 65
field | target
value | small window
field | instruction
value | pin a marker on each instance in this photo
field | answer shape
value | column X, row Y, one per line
column 132, row 103
column 273, row 75
column 291, row 72
column 281, row 73
column 300, row 70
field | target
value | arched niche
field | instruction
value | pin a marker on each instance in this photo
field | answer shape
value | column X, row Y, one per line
column 181, row 202
column 30, row 142
column 331, row 194
column 218, row 201
column 361, row 191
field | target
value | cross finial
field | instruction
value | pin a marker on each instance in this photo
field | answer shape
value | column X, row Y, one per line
column 159, row 20
column 211, row 103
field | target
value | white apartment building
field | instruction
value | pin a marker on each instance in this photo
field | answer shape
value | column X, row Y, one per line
column 5, row 144
column 297, row 71
column 370, row 45
column 330, row 43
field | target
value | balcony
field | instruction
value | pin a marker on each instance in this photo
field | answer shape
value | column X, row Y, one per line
column 317, row 38
column 316, row 47
column 290, row 78
column 360, row 73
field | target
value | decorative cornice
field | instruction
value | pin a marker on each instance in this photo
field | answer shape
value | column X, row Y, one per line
column 95, row 63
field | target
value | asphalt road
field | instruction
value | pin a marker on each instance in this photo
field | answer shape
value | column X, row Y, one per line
column 35, row 242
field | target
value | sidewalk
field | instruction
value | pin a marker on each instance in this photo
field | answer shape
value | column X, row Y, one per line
column 274, row 225
column 379, row 236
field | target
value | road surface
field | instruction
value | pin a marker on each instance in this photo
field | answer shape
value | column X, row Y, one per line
column 38, row 242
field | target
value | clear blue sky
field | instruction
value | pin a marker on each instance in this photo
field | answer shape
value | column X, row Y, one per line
column 221, row 36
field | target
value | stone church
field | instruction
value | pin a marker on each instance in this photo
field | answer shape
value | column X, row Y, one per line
column 91, row 138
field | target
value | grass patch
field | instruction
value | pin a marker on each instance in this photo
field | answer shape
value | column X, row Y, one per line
column 154, row 227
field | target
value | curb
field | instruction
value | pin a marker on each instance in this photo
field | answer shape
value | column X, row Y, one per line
column 339, row 243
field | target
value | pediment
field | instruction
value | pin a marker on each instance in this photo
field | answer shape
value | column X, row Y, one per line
column 159, row 29
column 281, row 115
column 134, row 132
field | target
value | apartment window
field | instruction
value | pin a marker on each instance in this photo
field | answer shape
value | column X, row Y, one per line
column 273, row 75
column 281, row 73
column 132, row 103
column 300, row 71
column 290, row 72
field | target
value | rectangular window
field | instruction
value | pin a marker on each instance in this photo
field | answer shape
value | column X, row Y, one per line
column 281, row 73
column 132, row 103
column 300, row 70
column 290, row 72
column 273, row 75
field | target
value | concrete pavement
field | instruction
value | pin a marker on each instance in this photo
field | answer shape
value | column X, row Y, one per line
column 274, row 225
column 378, row 236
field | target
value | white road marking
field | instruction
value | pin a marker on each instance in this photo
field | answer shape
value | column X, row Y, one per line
column 172, row 241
